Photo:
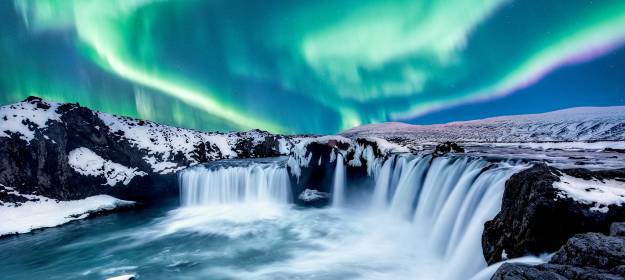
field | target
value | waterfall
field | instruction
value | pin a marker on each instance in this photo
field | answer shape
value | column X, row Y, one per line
column 338, row 185
column 445, row 200
column 448, row 199
column 235, row 182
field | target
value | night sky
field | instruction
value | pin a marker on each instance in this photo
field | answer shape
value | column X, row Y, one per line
column 314, row 66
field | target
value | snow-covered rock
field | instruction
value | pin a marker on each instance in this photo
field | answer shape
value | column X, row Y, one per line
column 41, row 212
column 575, row 124
column 67, row 153
column 24, row 118
column 86, row 162
column 543, row 207
column 596, row 192
column 312, row 195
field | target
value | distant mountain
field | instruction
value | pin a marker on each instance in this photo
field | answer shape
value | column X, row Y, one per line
column 575, row 124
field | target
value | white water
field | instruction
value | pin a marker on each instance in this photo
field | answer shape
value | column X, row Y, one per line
column 446, row 200
column 424, row 219
column 338, row 192
column 266, row 182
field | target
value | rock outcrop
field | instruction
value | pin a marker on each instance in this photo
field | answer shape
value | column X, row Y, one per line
column 588, row 256
column 68, row 152
column 312, row 164
column 447, row 147
column 539, row 214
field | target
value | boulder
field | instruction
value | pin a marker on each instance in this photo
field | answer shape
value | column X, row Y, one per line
column 447, row 147
column 536, row 217
column 592, row 250
column 588, row 256
column 517, row 271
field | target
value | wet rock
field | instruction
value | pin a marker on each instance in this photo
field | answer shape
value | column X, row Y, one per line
column 447, row 147
column 313, row 198
column 535, row 218
column 592, row 250
column 517, row 271
column 588, row 256
column 617, row 229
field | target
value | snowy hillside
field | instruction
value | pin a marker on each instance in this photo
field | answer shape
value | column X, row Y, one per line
column 575, row 124
column 60, row 162
column 166, row 149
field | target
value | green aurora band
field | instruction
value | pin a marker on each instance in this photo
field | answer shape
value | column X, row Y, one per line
column 292, row 66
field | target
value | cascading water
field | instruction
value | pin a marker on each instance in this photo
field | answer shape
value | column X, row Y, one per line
column 338, row 192
column 425, row 213
column 227, row 183
column 416, row 217
column 447, row 200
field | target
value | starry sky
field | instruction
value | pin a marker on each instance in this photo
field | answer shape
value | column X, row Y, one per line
column 295, row 66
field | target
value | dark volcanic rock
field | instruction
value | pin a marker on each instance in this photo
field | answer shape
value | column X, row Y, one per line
column 516, row 271
column 321, row 155
column 587, row 256
column 617, row 229
column 40, row 165
column 592, row 250
column 535, row 217
column 447, row 147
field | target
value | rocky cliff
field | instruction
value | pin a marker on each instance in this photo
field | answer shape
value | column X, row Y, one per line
column 543, row 207
column 68, row 152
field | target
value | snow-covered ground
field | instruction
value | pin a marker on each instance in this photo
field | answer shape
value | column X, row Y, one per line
column 580, row 124
column 42, row 212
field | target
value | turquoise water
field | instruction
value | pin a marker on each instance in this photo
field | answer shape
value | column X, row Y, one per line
column 423, row 221
column 239, row 241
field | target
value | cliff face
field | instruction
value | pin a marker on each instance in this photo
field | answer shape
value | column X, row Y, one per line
column 67, row 152
column 543, row 207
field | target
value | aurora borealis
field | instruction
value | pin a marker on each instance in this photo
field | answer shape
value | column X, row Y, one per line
column 312, row 66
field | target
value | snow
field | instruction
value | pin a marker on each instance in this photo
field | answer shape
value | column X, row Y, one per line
column 594, row 146
column 586, row 124
column 300, row 157
column 162, row 167
column 88, row 163
column 283, row 146
column 596, row 192
column 312, row 195
column 24, row 118
column 387, row 147
column 163, row 142
column 42, row 212
column 123, row 277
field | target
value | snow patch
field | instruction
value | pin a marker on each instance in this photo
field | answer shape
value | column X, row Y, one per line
column 24, row 118
column 123, row 277
column 387, row 147
column 599, row 193
column 88, row 163
column 312, row 195
column 162, row 167
column 42, row 212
